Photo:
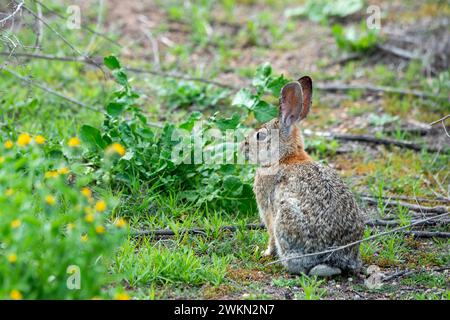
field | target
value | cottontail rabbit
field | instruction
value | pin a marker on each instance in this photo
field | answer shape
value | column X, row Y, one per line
column 305, row 205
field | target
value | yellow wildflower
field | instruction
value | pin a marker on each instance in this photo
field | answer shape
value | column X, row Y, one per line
column 16, row 295
column 24, row 139
column 120, row 223
column 51, row 174
column 89, row 217
column 86, row 192
column 63, row 170
column 74, row 142
column 16, row 223
column 116, row 148
column 2, row 159
column 9, row 192
column 70, row 226
column 50, row 200
column 84, row 237
column 122, row 296
column 100, row 229
column 39, row 139
column 100, row 206
column 12, row 258
column 8, row 144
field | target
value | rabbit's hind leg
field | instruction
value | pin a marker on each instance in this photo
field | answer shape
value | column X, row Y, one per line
column 289, row 237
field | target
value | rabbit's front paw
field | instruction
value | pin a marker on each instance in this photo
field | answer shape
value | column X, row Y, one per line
column 269, row 252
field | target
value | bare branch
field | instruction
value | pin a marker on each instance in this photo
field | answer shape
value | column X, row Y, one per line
column 19, row 5
column 82, row 26
column 87, row 58
column 440, row 120
column 399, row 52
column 415, row 207
column 404, row 273
column 406, row 198
column 40, row 28
column 370, row 139
column 374, row 88
column 49, row 90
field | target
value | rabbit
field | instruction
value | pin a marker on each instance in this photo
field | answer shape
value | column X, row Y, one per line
column 305, row 206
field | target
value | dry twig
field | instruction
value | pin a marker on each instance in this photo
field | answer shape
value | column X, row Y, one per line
column 414, row 207
column 370, row 139
column 51, row 91
column 19, row 5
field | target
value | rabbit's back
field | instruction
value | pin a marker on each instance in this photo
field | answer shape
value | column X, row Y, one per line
column 314, row 211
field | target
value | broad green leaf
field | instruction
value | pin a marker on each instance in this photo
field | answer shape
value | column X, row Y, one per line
column 190, row 122
column 111, row 62
column 114, row 109
column 276, row 84
column 262, row 75
column 232, row 184
column 264, row 111
column 92, row 137
column 228, row 123
column 121, row 77
column 245, row 98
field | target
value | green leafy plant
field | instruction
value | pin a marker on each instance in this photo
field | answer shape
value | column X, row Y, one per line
column 148, row 159
column 355, row 39
column 322, row 10
column 263, row 82
column 52, row 227
column 183, row 94
column 311, row 288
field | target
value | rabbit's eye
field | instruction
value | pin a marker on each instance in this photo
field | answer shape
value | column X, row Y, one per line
column 260, row 136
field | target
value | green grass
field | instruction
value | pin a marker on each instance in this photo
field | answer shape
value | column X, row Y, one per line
column 147, row 263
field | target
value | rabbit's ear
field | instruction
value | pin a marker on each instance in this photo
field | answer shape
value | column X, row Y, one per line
column 290, row 103
column 306, row 84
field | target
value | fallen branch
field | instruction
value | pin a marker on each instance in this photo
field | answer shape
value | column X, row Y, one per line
column 416, row 199
column 370, row 139
column 194, row 231
column 374, row 88
column 399, row 52
column 394, row 223
column 351, row 244
column 344, row 59
column 404, row 273
column 427, row 234
column 414, row 207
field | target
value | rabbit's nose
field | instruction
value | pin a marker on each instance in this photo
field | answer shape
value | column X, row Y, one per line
column 244, row 148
